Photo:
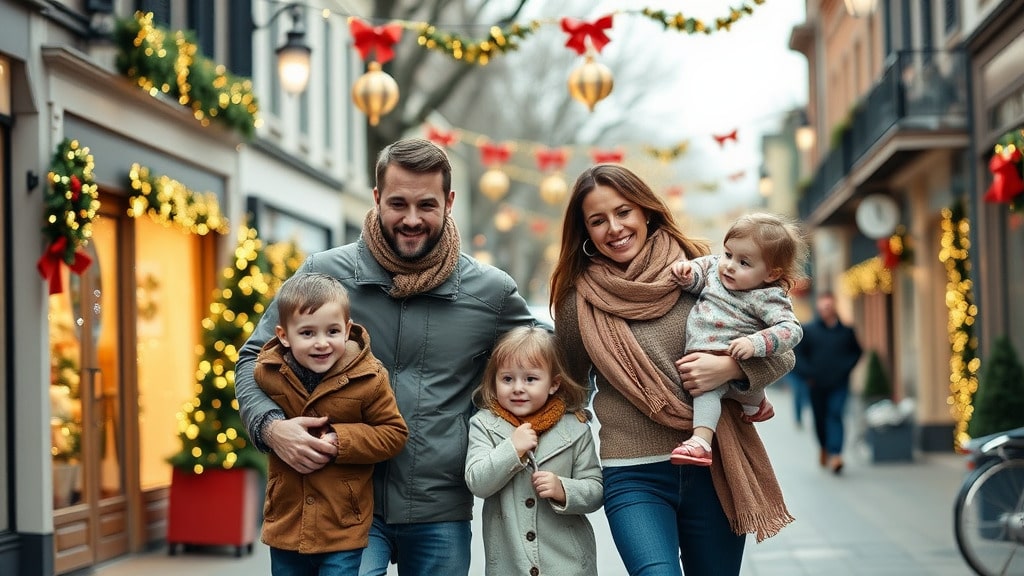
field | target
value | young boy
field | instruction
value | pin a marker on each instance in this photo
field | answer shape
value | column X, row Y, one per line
column 319, row 365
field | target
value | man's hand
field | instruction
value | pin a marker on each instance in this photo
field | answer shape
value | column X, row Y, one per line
column 741, row 348
column 549, row 485
column 292, row 442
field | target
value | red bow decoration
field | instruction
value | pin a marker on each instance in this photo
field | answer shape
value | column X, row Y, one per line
column 890, row 259
column 1006, row 182
column 440, row 137
column 676, row 191
column 722, row 139
column 550, row 158
column 737, row 175
column 607, row 156
column 49, row 264
column 579, row 30
column 379, row 38
column 491, row 154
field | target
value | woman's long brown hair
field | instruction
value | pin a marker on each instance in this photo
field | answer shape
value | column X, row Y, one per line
column 571, row 259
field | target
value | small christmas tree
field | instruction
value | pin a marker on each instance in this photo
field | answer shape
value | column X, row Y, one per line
column 210, row 428
column 876, row 382
column 999, row 401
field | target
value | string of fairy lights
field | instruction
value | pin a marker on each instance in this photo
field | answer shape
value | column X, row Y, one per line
column 964, row 363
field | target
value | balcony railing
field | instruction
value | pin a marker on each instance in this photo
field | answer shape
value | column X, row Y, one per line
column 918, row 91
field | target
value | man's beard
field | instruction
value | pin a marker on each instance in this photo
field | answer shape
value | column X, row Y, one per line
column 428, row 244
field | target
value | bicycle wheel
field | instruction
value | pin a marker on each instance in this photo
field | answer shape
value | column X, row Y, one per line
column 989, row 519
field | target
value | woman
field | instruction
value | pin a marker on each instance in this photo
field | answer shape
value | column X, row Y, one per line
column 618, row 310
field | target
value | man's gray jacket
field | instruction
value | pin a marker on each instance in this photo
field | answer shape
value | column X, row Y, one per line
column 435, row 346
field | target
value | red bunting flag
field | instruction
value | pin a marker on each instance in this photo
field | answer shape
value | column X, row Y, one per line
column 550, row 158
column 378, row 38
column 607, row 156
column 1006, row 181
column 442, row 138
column 723, row 138
column 580, row 30
column 491, row 154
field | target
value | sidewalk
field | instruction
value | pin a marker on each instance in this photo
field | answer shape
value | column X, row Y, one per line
column 875, row 519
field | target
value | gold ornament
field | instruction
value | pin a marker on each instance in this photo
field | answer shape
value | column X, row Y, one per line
column 494, row 184
column 375, row 93
column 553, row 189
column 591, row 82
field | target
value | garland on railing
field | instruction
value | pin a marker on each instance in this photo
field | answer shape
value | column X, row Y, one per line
column 71, row 204
column 168, row 201
column 161, row 61
column 963, row 361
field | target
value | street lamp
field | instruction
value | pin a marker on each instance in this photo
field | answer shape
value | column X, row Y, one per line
column 860, row 8
column 804, row 136
column 293, row 57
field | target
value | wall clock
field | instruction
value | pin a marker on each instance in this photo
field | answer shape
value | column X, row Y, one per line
column 877, row 216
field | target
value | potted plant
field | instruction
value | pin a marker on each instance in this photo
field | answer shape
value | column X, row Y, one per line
column 999, row 401
column 889, row 428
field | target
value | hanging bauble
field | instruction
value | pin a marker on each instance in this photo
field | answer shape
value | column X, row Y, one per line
column 494, row 184
column 591, row 82
column 506, row 219
column 375, row 93
column 554, row 189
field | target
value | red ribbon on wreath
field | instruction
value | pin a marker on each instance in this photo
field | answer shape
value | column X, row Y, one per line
column 579, row 30
column 379, row 38
column 890, row 259
column 1006, row 181
column 49, row 264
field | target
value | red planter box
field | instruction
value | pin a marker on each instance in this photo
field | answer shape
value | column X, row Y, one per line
column 215, row 508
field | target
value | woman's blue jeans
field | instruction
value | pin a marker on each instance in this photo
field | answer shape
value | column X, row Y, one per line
column 289, row 563
column 661, row 513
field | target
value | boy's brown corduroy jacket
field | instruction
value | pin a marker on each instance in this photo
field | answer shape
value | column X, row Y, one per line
column 331, row 509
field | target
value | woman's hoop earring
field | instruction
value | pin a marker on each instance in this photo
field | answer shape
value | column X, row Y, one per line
column 584, row 248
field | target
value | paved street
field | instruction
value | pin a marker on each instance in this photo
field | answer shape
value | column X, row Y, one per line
column 875, row 519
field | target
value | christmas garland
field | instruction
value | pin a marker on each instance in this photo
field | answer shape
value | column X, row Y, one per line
column 503, row 39
column 168, row 201
column 71, row 204
column 874, row 275
column 1007, row 168
column 964, row 363
column 167, row 62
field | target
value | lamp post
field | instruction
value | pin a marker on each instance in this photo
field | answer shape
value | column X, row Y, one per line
column 805, row 135
column 860, row 8
column 293, row 57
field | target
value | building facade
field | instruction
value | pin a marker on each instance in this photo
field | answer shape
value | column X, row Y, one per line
column 94, row 375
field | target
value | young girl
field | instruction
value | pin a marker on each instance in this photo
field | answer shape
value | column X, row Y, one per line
column 532, row 459
column 743, row 310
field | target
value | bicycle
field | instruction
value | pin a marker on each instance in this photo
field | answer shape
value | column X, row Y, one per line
column 989, row 508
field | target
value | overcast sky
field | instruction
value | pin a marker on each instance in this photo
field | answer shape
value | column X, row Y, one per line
column 746, row 79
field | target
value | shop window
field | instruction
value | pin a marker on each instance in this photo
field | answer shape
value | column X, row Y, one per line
column 169, row 310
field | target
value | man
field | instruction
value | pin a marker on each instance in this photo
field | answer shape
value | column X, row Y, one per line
column 824, row 359
column 433, row 315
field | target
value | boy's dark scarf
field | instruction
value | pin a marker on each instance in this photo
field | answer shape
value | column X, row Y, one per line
column 413, row 276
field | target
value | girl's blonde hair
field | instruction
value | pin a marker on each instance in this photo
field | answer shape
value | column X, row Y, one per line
column 782, row 243
column 528, row 345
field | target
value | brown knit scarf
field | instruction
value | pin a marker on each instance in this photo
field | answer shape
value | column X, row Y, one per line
column 607, row 297
column 542, row 420
column 413, row 276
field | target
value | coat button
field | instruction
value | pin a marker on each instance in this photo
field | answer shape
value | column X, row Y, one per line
column 530, row 502
column 530, row 536
column 534, row 571
column 309, row 499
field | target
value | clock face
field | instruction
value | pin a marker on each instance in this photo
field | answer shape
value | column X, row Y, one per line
column 877, row 216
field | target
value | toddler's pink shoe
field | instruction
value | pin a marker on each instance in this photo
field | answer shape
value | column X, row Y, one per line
column 765, row 411
column 691, row 452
